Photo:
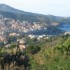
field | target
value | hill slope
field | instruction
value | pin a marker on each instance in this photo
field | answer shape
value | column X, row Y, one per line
column 10, row 12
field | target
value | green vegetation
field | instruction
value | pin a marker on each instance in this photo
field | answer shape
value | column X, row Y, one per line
column 46, row 54
column 52, row 58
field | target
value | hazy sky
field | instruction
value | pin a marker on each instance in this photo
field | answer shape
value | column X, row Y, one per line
column 52, row 7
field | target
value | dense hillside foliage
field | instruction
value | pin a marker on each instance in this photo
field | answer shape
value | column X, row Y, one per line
column 46, row 54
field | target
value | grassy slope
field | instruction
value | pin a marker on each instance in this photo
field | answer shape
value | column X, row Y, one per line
column 46, row 59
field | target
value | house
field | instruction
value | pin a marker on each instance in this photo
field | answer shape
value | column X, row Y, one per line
column 7, row 46
column 21, row 44
column 31, row 36
column 66, row 33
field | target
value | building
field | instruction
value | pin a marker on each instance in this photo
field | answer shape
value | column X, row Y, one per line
column 21, row 44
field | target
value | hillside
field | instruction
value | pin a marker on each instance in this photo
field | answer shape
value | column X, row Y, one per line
column 32, row 41
column 21, row 22
column 44, row 54
column 10, row 12
column 62, row 24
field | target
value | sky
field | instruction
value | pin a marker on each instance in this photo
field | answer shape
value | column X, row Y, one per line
column 47, row 7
